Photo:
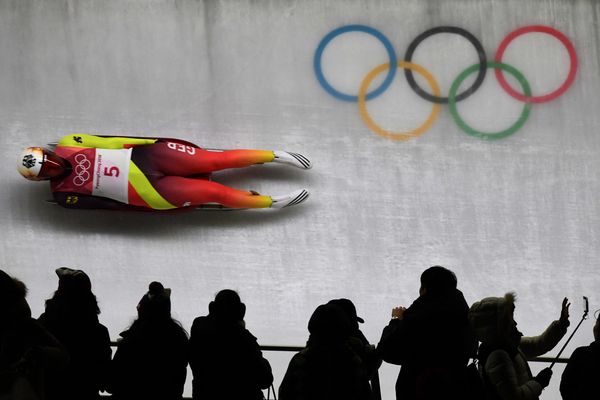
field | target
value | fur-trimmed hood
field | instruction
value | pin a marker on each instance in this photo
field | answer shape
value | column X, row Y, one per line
column 491, row 317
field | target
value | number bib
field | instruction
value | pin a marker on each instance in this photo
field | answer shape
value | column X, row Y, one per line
column 111, row 174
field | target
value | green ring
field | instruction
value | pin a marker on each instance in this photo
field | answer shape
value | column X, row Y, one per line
column 486, row 135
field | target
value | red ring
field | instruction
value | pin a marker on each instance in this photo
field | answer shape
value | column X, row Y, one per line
column 550, row 31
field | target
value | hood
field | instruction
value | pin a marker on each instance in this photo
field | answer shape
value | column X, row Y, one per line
column 490, row 318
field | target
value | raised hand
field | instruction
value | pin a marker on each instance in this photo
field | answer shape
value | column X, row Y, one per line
column 564, row 312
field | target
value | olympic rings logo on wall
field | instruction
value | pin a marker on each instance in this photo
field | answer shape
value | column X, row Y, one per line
column 453, row 97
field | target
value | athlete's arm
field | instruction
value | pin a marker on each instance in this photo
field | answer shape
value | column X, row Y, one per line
column 102, row 142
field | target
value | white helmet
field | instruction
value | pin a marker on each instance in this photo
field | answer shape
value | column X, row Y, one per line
column 38, row 163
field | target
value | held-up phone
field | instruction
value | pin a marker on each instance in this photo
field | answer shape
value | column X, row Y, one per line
column 586, row 310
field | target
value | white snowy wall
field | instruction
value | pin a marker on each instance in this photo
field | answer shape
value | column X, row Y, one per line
column 520, row 213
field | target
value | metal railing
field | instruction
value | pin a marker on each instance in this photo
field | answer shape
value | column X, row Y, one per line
column 374, row 382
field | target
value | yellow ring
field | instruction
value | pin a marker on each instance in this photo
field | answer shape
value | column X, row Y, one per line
column 364, row 114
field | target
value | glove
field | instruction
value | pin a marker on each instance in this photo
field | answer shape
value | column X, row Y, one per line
column 543, row 378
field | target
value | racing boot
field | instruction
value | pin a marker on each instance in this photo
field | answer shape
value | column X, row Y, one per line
column 294, row 159
column 292, row 199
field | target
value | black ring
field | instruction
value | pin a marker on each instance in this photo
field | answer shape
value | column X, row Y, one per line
column 446, row 29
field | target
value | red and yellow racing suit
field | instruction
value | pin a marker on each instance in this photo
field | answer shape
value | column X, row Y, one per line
column 149, row 174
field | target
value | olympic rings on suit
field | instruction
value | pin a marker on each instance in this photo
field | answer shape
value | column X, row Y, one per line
column 453, row 97
column 82, row 175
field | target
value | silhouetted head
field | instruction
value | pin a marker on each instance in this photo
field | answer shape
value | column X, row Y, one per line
column 492, row 321
column 74, row 298
column 156, row 304
column 329, row 324
column 437, row 280
column 349, row 309
column 227, row 306
column 38, row 164
column 11, row 288
column 13, row 305
column 73, row 280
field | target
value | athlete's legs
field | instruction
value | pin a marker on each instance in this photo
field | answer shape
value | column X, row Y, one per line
column 180, row 160
column 181, row 192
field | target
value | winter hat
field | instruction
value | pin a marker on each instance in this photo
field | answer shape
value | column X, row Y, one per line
column 156, row 303
column 73, row 280
column 490, row 318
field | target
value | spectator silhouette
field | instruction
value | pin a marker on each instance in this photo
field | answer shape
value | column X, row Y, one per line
column 332, row 366
column 226, row 360
column 27, row 351
column 371, row 358
column 503, row 351
column 431, row 340
column 71, row 315
column 151, row 358
column 580, row 377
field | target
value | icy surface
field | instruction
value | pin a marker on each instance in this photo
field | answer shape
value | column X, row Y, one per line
column 517, row 214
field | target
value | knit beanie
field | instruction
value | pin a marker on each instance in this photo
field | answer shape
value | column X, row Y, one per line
column 156, row 303
column 490, row 318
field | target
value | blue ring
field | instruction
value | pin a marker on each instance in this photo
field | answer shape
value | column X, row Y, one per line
column 352, row 28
